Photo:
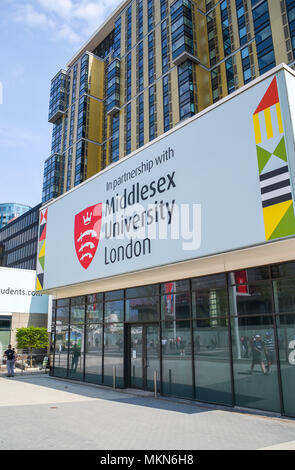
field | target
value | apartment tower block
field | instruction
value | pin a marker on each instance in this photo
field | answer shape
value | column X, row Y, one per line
column 152, row 64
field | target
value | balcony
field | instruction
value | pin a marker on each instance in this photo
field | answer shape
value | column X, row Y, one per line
column 58, row 95
column 183, row 45
column 113, row 88
column 183, row 56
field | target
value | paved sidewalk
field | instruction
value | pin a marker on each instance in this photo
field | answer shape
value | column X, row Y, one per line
column 40, row 412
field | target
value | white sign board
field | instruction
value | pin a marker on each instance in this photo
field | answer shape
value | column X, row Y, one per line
column 219, row 183
column 18, row 292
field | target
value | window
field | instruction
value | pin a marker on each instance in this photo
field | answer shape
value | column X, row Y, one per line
column 264, row 43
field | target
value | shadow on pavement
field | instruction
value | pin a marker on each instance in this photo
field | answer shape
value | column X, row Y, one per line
column 145, row 399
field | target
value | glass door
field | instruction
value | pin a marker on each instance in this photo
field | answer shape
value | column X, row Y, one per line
column 152, row 356
column 144, row 356
column 136, row 356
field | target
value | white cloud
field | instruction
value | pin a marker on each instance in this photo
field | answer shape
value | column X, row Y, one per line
column 26, row 14
column 60, row 7
column 67, row 33
column 71, row 20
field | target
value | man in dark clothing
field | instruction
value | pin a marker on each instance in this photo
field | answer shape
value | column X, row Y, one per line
column 75, row 357
column 269, row 350
column 258, row 347
column 10, row 359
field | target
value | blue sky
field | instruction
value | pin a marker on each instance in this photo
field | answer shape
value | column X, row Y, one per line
column 38, row 37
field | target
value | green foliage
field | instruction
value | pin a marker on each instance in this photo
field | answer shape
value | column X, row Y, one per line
column 32, row 337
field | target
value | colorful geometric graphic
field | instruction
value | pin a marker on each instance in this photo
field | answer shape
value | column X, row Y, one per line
column 276, row 194
column 41, row 249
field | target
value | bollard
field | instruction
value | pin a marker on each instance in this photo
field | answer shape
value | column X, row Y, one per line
column 170, row 379
column 155, row 383
column 114, row 377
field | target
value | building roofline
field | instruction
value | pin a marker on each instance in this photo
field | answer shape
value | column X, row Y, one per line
column 14, row 204
column 100, row 34
column 58, row 73
column 16, row 219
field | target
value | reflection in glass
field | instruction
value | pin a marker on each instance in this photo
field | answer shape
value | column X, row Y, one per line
column 286, row 341
column 144, row 356
column 53, row 318
column 94, row 298
column 284, row 295
column 93, row 353
column 249, row 299
column 152, row 338
column 136, row 369
column 61, row 351
column 246, row 276
column 142, row 309
column 94, row 312
column 143, row 291
column 114, row 311
column 209, row 303
column 113, row 354
column 77, row 313
column 62, row 315
column 78, row 300
column 217, row 281
column 212, row 361
column 175, row 306
column 76, row 352
column 177, row 358
column 255, row 363
column 177, row 286
column 114, row 295
column 63, row 303
column 283, row 270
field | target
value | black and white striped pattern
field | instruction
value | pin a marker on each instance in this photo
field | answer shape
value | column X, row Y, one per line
column 275, row 187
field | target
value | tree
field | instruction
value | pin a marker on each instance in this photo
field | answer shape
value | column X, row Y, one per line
column 32, row 338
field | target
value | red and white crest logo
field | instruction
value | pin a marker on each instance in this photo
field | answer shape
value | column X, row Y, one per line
column 87, row 233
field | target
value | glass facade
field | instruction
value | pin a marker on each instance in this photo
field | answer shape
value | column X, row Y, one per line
column 11, row 211
column 5, row 331
column 58, row 96
column 263, row 36
column 140, row 125
column 53, row 177
column 181, row 28
column 227, row 338
column 225, row 28
column 19, row 241
column 113, row 89
column 81, row 162
column 241, row 22
column 290, row 5
column 186, row 90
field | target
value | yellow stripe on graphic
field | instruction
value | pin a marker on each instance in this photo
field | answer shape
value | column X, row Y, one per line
column 280, row 122
column 273, row 215
column 257, row 129
column 42, row 251
column 38, row 285
column 268, row 123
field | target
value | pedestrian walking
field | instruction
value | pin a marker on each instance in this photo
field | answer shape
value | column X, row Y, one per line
column 10, row 360
column 269, row 351
column 245, row 348
column 258, row 347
